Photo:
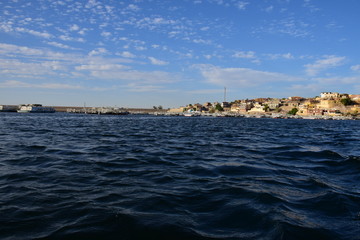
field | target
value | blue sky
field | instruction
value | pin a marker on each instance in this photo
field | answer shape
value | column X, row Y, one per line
column 143, row 53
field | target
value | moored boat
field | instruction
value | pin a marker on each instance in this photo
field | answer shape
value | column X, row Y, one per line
column 192, row 114
column 35, row 108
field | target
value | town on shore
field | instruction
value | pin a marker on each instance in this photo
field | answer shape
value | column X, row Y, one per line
column 329, row 105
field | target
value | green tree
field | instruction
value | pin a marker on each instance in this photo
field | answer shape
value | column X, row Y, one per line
column 160, row 107
column 218, row 107
column 293, row 111
column 346, row 101
column 266, row 108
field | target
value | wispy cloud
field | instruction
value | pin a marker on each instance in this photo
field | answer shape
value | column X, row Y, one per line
column 269, row 9
column 289, row 26
column 98, row 51
column 241, row 77
column 33, row 32
column 101, row 67
column 275, row 56
column 133, row 87
column 338, row 80
column 126, row 54
column 309, row 5
column 324, row 64
column 155, row 61
column 355, row 67
column 19, row 84
column 60, row 45
column 207, row 91
column 241, row 5
column 74, row 39
column 241, row 54
column 74, row 27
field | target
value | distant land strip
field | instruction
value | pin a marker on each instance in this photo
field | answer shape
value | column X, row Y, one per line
column 87, row 109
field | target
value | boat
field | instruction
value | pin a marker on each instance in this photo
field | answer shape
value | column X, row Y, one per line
column 35, row 108
column 192, row 113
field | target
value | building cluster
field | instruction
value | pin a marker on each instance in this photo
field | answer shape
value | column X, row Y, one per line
column 327, row 104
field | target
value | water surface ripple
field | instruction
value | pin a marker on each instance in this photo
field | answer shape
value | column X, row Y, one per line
column 65, row 176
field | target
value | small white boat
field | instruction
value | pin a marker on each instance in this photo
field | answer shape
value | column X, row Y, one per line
column 192, row 114
column 35, row 108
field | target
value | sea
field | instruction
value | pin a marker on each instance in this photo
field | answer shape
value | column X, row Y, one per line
column 78, row 176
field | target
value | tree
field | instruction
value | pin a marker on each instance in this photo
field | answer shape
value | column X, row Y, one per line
column 266, row 108
column 293, row 111
column 154, row 107
column 219, row 108
column 160, row 107
column 346, row 101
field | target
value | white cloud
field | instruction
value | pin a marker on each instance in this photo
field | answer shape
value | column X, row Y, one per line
column 242, row 5
column 202, row 41
column 241, row 54
column 19, row 84
column 74, row 27
column 155, row 61
column 60, row 45
column 338, row 80
column 355, row 67
column 240, row 77
column 98, row 51
column 323, row 64
column 91, row 4
column 140, row 48
column 13, row 67
column 7, row 49
column 280, row 56
column 100, row 67
column 68, row 38
column 207, row 91
column 33, row 32
column 269, row 9
column 6, row 27
column 289, row 26
column 133, row 7
column 106, row 34
column 132, row 87
column 126, row 54
column 154, row 77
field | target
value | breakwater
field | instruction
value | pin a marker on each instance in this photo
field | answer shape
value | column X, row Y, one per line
column 109, row 110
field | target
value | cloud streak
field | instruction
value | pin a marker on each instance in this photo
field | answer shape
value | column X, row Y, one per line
column 323, row 64
column 241, row 77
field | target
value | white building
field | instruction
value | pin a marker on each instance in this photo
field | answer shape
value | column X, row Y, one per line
column 328, row 95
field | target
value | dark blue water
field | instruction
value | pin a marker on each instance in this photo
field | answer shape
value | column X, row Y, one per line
column 65, row 176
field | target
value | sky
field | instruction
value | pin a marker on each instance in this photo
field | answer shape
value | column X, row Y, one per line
column 146, row 53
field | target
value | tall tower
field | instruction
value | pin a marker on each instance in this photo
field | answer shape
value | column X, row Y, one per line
column 224, row 94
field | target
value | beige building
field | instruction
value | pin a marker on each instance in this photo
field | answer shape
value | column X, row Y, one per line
column 177, row 110
column 241, row 107
column 257, row 109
